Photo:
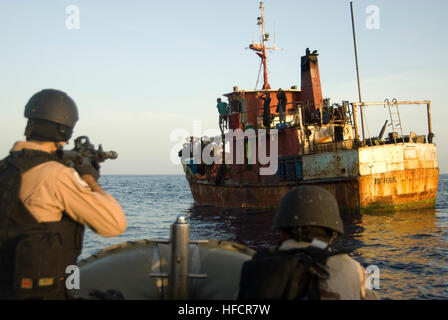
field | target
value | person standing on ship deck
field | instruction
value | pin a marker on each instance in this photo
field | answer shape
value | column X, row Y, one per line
column 223, row 112
column 281, row 107
column 266, row 109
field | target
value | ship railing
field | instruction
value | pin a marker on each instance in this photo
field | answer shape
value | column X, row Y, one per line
column 293, row 114
column 361, row 105
column 332, row 146
column 259, row 111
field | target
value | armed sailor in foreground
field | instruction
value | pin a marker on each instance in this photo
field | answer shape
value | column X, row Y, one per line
column 304, row 266
column 44, row 204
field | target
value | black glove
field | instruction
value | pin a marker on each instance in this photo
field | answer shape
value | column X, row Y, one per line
column 92, row 169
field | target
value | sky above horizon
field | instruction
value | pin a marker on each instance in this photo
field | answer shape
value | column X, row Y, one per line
column 139, row 70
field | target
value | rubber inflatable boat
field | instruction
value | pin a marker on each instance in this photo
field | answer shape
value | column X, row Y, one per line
column 203, row 270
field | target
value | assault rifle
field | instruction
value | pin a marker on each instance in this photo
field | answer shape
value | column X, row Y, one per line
column 84, row 153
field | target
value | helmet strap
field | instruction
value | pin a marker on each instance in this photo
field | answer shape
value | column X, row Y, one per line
column 42, row 130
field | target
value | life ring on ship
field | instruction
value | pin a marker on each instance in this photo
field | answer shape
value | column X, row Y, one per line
column 126, row 267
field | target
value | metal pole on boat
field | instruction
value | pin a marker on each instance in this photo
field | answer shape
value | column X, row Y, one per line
column 223, row 149
column 264, row 57
column 355, row 121
column 178, row 277
column 430, row 134
column 357, row 73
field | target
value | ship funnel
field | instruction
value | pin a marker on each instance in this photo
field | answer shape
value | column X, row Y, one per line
column 310, row 81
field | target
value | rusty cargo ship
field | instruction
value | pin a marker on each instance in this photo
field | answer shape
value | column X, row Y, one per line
column 321, row 144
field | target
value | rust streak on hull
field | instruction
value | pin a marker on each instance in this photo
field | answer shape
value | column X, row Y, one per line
column 398, row 190
column 249, row 196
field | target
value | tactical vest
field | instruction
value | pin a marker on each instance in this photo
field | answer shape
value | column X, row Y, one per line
column 285, row 275
column 33, row 256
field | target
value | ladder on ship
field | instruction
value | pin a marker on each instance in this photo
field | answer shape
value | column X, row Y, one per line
column 395, row 120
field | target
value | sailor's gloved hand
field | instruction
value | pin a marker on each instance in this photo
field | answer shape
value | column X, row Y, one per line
column 92, row 169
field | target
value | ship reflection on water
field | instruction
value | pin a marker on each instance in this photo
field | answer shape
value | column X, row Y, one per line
column 252, row 228
column 409, row 247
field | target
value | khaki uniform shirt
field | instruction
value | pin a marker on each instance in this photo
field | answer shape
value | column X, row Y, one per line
column 347, row 277
column 51, row 188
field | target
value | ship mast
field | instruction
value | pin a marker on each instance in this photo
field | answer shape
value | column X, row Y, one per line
column 260, row 49
column 263, row 57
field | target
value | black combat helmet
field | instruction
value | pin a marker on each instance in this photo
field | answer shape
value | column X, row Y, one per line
column 52, row 105
column 52, row 116
column 308, row 206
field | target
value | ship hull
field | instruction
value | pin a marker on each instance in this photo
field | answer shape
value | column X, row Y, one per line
column 381, row 178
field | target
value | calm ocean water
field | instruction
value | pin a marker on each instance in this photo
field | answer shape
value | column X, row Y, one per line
column 410, row 248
